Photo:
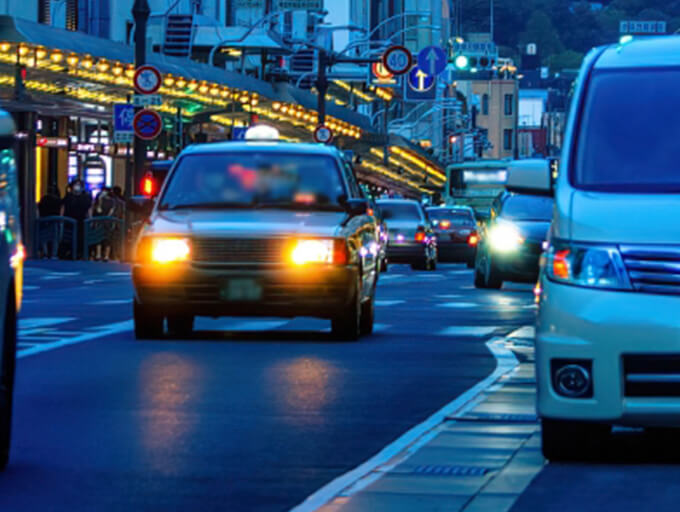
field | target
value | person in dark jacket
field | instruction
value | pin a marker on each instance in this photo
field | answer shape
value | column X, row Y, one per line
column 50, row 232
column 77, row 206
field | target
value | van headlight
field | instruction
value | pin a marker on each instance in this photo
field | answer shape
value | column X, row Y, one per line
column 505, row 237
column 594, row 266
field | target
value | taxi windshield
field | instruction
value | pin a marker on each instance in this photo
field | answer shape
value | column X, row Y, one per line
column 254, row 179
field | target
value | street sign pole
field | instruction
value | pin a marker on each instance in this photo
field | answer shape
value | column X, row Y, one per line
column 140, row 12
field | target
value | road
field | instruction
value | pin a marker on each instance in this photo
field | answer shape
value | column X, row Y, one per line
column 249, row 414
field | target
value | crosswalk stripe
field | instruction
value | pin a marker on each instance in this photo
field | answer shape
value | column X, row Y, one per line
column 459, row 305
column 461, row 330
column 386, row 303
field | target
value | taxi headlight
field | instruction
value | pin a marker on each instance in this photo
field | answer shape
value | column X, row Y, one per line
column 312, row 251
column 594, row 266
column 170, row 250
column 505, row 237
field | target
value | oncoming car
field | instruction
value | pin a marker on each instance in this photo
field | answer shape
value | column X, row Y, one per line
column 257, row 229
column 11, row 278
column 512, row 240
column 410, row 236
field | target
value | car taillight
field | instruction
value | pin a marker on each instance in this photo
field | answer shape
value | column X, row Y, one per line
column 445, row 224
column 420, row 236
column 340, row 253
column 473, row 239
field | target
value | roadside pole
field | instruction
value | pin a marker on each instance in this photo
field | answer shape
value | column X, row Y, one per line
column 322, row 86
column 140, row 13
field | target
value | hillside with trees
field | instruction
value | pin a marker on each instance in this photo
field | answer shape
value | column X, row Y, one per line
column 564, row 31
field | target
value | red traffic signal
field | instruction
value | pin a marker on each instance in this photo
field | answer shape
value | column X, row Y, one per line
column 148, row 185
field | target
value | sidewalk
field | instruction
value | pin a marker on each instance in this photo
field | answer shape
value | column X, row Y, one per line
column 480, row 458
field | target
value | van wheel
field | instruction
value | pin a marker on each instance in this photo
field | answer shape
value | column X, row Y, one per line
column 181, row 326
column 148, row 324
column 7, row 377
column 491, row 278
column 572, row 440
column 480, row 279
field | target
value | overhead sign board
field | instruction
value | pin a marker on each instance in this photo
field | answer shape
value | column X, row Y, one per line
column 397, row 60
column 432, row 60
column 147, row 124
column 487, row 48
column 308, row 5
column 642, row 27
column 147, row 80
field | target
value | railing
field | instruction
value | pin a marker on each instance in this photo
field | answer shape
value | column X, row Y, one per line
column 104, row 230
column 60, row 232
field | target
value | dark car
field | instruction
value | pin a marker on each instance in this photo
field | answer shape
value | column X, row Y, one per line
column 410, row 236
column 511, row 242
column 257, row 229
column 456, row 232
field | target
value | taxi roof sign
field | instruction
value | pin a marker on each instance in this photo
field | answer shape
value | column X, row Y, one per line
column 262, row 132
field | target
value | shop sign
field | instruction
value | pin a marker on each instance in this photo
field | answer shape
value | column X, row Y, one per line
column 52, row 142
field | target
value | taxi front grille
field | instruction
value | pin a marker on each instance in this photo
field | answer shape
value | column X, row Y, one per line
column 238, row 250
column 653, row 269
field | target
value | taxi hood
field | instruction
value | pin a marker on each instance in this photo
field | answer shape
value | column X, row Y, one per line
column 624, row 218
column 246, row 223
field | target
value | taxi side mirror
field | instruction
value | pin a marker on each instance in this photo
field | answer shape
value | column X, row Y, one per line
column 142, row 206
column 356, row 207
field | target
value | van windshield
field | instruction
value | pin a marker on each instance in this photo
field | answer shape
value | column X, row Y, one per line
column 630, row 133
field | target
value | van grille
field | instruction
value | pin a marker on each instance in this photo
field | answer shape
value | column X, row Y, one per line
column 241, row 250
column 653, row 269
column 651, row 375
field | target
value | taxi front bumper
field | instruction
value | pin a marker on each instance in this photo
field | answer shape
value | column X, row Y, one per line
column 630, row 340
column 215, row 290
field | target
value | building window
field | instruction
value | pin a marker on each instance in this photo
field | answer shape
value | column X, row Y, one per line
column 507, row 139
column 44, row 12
column 509, row 101
column 485, row 105
column 72, row 15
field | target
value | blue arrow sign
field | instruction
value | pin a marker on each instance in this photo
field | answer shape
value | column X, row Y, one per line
column 419, row 80
column 432, row 60
column 123, row 116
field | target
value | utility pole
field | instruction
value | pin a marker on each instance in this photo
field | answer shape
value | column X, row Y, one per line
column 322, row 86
column 140, row 13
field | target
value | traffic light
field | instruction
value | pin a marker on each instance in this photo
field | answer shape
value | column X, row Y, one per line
column 461, row 62
column 148, row 185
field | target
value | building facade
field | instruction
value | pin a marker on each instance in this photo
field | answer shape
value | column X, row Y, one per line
column 498, row 114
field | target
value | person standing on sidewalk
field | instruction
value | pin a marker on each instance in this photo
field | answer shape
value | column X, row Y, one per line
column 104, row 206
column 77, row 206
column 50, row 235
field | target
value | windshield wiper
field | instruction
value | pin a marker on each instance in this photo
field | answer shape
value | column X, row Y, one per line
column 207, row 206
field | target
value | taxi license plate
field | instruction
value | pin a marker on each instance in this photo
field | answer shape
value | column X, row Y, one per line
column 241, row 290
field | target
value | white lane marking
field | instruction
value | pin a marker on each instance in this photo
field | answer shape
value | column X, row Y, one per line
column 352, row 481
column 32, row 323
column 461, row 330
column 44, row 337
column 65, row 274
column 387, row 303
column 30, row 288
column 118, row 274
column 104, row 330
column 390, row 277
column 380, row 327
column 257, row 325
column 449, row 296
column 111, row 302
column 51, row 278
column 459, row 272
column 432, row 276
column 93, row 281
column 459, row 305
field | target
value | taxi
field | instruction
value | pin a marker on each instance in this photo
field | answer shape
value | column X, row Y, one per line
column 11, row 277
column 257, row 228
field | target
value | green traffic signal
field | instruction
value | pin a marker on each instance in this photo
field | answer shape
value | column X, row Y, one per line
column 461, row 62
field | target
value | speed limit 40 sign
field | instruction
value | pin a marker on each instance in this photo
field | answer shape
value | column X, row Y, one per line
column 398, row 60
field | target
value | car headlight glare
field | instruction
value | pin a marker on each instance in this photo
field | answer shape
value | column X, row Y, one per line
column 592, row 266
column 170, row 250
column 312, row 251
column 505, row 237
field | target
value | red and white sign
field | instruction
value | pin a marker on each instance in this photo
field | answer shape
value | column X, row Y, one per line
column 397, row 60
column 381, row 72
column 147, row 80
column 323, row 134
column 147, row 124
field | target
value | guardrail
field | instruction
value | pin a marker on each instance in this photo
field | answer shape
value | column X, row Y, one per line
column 62, row 232
column 104, row 230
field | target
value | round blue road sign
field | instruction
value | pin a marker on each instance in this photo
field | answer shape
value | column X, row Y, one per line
column 419, row 80
column 432, row 60
column 147, row 124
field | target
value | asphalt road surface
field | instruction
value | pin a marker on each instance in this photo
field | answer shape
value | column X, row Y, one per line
column 249, row 414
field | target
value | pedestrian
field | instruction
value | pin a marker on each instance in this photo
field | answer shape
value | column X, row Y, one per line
column 50, row 231
column 104, row 206
column 77, row 206
column 118, row 228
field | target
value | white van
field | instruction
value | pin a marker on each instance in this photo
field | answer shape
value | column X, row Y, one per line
column 11, row 277
column 608, row 330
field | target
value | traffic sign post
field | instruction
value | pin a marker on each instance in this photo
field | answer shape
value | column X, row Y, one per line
column 421, row 86
column 147, row 124
column 397, row 60
column 147, row 80
column 147, row 100
column 432, row 60
column 323, row 134
column 123, row 128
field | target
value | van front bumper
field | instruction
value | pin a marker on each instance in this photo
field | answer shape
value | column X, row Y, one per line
column 630, row 339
